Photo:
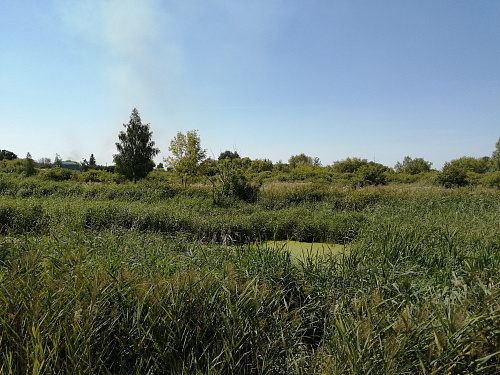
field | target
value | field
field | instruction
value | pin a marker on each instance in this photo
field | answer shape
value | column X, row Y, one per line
column 156, row 279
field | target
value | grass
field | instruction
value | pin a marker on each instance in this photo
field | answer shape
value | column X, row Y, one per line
column 150, row 279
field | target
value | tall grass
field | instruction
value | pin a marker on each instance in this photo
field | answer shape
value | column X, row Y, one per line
column 145, row 282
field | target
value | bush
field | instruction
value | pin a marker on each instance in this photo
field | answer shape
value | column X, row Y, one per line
column 57, row 174
column 490, row 179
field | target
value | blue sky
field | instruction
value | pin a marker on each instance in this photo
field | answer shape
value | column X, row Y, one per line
column 270, row 79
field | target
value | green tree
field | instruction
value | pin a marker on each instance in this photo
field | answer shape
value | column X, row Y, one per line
column 8, row 155
column 92, row 162
column 259, row 165
column 370, row 174
column 228, row 154
column 494, row 162
column 29, row 166
column 57, row 161
column 453, row 175
column 228, row 180
column 187, row 155
column 413, row 166
column 44, row 163
column 463, row 171
column 135, row 149
column 348, row 165
column 303, row 159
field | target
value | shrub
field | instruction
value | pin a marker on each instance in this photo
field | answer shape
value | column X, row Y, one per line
column 490, row 179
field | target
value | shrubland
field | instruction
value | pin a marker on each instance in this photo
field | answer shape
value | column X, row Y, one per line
column 104, row 276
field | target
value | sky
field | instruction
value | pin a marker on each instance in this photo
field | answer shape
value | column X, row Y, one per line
column 333, row 79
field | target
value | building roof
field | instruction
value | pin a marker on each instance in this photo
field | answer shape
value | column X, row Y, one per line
column 74, row 166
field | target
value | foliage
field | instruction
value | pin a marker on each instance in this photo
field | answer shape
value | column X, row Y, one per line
column 8, row 155
column 349, row 165
column 303, row 159
column 135, row 149
column 29, row 166
column 413, row 166
column 370, row 174
column 57, row 162
column 44, row 163
column 12, row 166
column 258, row 166
column 228, row 154
column 461, row 172
column 187, row 155
column 148, row 278
column 228, row 180
column 494, row 162
column 490, row 179
column 90, row 164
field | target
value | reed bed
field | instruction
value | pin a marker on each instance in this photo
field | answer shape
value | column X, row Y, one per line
column 156, row 280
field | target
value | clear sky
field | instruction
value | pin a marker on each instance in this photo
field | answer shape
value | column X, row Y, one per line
column 267, row 78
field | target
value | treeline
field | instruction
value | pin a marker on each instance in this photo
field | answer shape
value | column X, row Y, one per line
column 230, row 172
column 231, row 175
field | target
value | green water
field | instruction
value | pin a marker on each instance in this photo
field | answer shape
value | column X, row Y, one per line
column 299, row 249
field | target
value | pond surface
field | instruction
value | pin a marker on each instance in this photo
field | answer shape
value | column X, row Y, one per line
column 300, row 249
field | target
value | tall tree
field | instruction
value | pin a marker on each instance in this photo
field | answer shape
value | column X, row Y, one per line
column 92, row 161
column 58, row 161
column 187, row 155
column 29, row 165
column 495, row 157
column 135, row 149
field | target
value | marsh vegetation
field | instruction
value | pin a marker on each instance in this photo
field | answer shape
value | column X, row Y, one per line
column 155, row 278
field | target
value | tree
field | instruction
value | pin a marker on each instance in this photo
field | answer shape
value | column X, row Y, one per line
column 302, row 159
column 6, row 154
column 58, row 161
column 370, row 174
column 413, row 166
column 453, row 175
column 92, row 162
column 494, row 162
column 463, row 171
column 349, row 165
column 29, row 166
column 229, row 154
column 187, row 155
column 44, row 163
column 135, row 149
column 228, row 180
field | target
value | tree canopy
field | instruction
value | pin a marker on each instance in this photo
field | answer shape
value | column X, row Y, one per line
column 413, row 166
column 6, row 154
column 135, row 149
column 495, row 157
column 187, row 155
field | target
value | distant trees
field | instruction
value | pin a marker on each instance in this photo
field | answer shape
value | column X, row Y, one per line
column 362, row 172
column 8, row 155
column 413, row 166
column 463, row 171
column 228, row 154
column 349, row 165
column 303, row 159
column 494, row 162
column 90, row 164
column 187, row 155
column 57, row 161
column 135, row 149
column 44, row 163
